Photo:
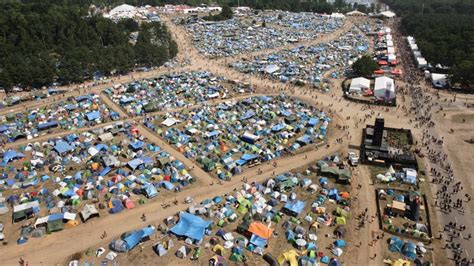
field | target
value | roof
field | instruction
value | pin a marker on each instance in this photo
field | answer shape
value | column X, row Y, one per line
column 62, row 146
column 384, row 83
column 88, row 211
column 25, row 206
column 191, row 226
column 359, row 83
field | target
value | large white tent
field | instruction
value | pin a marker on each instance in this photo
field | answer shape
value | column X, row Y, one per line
column 384, row 88
column 359, row 84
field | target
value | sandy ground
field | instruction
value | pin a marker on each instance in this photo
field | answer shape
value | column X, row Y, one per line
column 60, row 246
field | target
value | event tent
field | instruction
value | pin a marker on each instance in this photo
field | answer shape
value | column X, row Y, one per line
column 191, row 226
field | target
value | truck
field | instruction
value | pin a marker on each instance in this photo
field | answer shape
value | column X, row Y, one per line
column 353, row 158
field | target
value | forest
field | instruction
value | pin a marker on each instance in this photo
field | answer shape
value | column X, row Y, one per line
column 444, row 31
column 42, row 42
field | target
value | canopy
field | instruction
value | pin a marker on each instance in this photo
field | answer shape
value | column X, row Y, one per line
column 260, row 230
column 191, row 226
column 11, row 155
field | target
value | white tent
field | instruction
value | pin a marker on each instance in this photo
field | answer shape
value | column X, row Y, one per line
column 388, row 14
column 359, row 84
column 384, row 88
column 439, row 80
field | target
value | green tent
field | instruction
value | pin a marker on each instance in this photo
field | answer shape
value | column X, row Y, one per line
column 236, row 257
column 276, row 218
column 54, row 226
column 244, row 205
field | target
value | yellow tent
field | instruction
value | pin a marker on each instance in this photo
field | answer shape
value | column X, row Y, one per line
column 218, row 249
column 71, row 223
column 290, row 256
column 341, row 220
column 401, row 262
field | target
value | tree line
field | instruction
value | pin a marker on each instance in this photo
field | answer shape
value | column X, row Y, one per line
column 444, row 32
column 48, row 41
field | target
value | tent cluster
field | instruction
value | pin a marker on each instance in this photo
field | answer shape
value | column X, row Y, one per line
column 117, row 165
column 307, row 64
column 17, row 99
column 171, row 91
column 406, row 175
column 242, row 36
column 258, row 211
column 409, row 249
column 333, row 167
column 231, row 135
column 407, row 205
column 69, row 114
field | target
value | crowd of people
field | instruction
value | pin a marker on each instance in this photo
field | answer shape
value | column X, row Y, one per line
column 448, row 196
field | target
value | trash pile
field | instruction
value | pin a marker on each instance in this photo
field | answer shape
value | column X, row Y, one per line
column 172, row 91
column 307, row 65
column 229, row 136
column 294, row 213
column 111, row 168
column 69, row 114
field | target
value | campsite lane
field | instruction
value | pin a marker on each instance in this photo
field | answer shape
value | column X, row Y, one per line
column 115, row 225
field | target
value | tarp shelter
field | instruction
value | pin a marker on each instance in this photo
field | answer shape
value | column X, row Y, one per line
column 150, row 191
column 409, row 251
column 89, row 211
column 10, row 156
column 260, row 230
column 190, row 226
column 294, row 208
column 62, row 147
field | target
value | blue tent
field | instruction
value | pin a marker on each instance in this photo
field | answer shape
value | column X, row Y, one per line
column 167, row 184
column 55, row 217
column 258, row 241
column 133, row 238
column 396, row 244
column 312, row 122
column 62, row 147
column 82, row 98
column 93, row 115
column 340, row 243
column 117, row 206
column 191, row 226
column 3, row 128
column 304, row 140
column 247, row 115
column 409, row 250
column 11, row 155
column 295, row 207
column 150, row 191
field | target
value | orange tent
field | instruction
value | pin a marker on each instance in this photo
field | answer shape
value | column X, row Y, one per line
column 260, row 230
column 95, row 166
column 345, row 195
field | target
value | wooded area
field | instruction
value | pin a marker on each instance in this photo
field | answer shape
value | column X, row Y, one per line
column 42, row 42
column 444, row 31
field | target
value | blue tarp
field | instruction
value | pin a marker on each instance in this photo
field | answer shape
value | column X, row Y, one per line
column 312, row 122
column 55, row 216
column 247, row 115
column 93, row 115
column 62, row 147
column 135, row 163
column 136, row 145
column 47, row 125
column 190, row 226
column 11, row 155
column 409, row 251
column 295, row 206
column 396, row 245
column 304, row 140
column 278, row 127
column 248, row 157
column 105, row 171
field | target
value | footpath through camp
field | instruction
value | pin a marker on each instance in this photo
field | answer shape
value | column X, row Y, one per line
column 197, row 163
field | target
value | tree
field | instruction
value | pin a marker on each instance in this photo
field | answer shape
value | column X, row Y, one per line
column 463, row 73
column 227, row 12
column 364, row 66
